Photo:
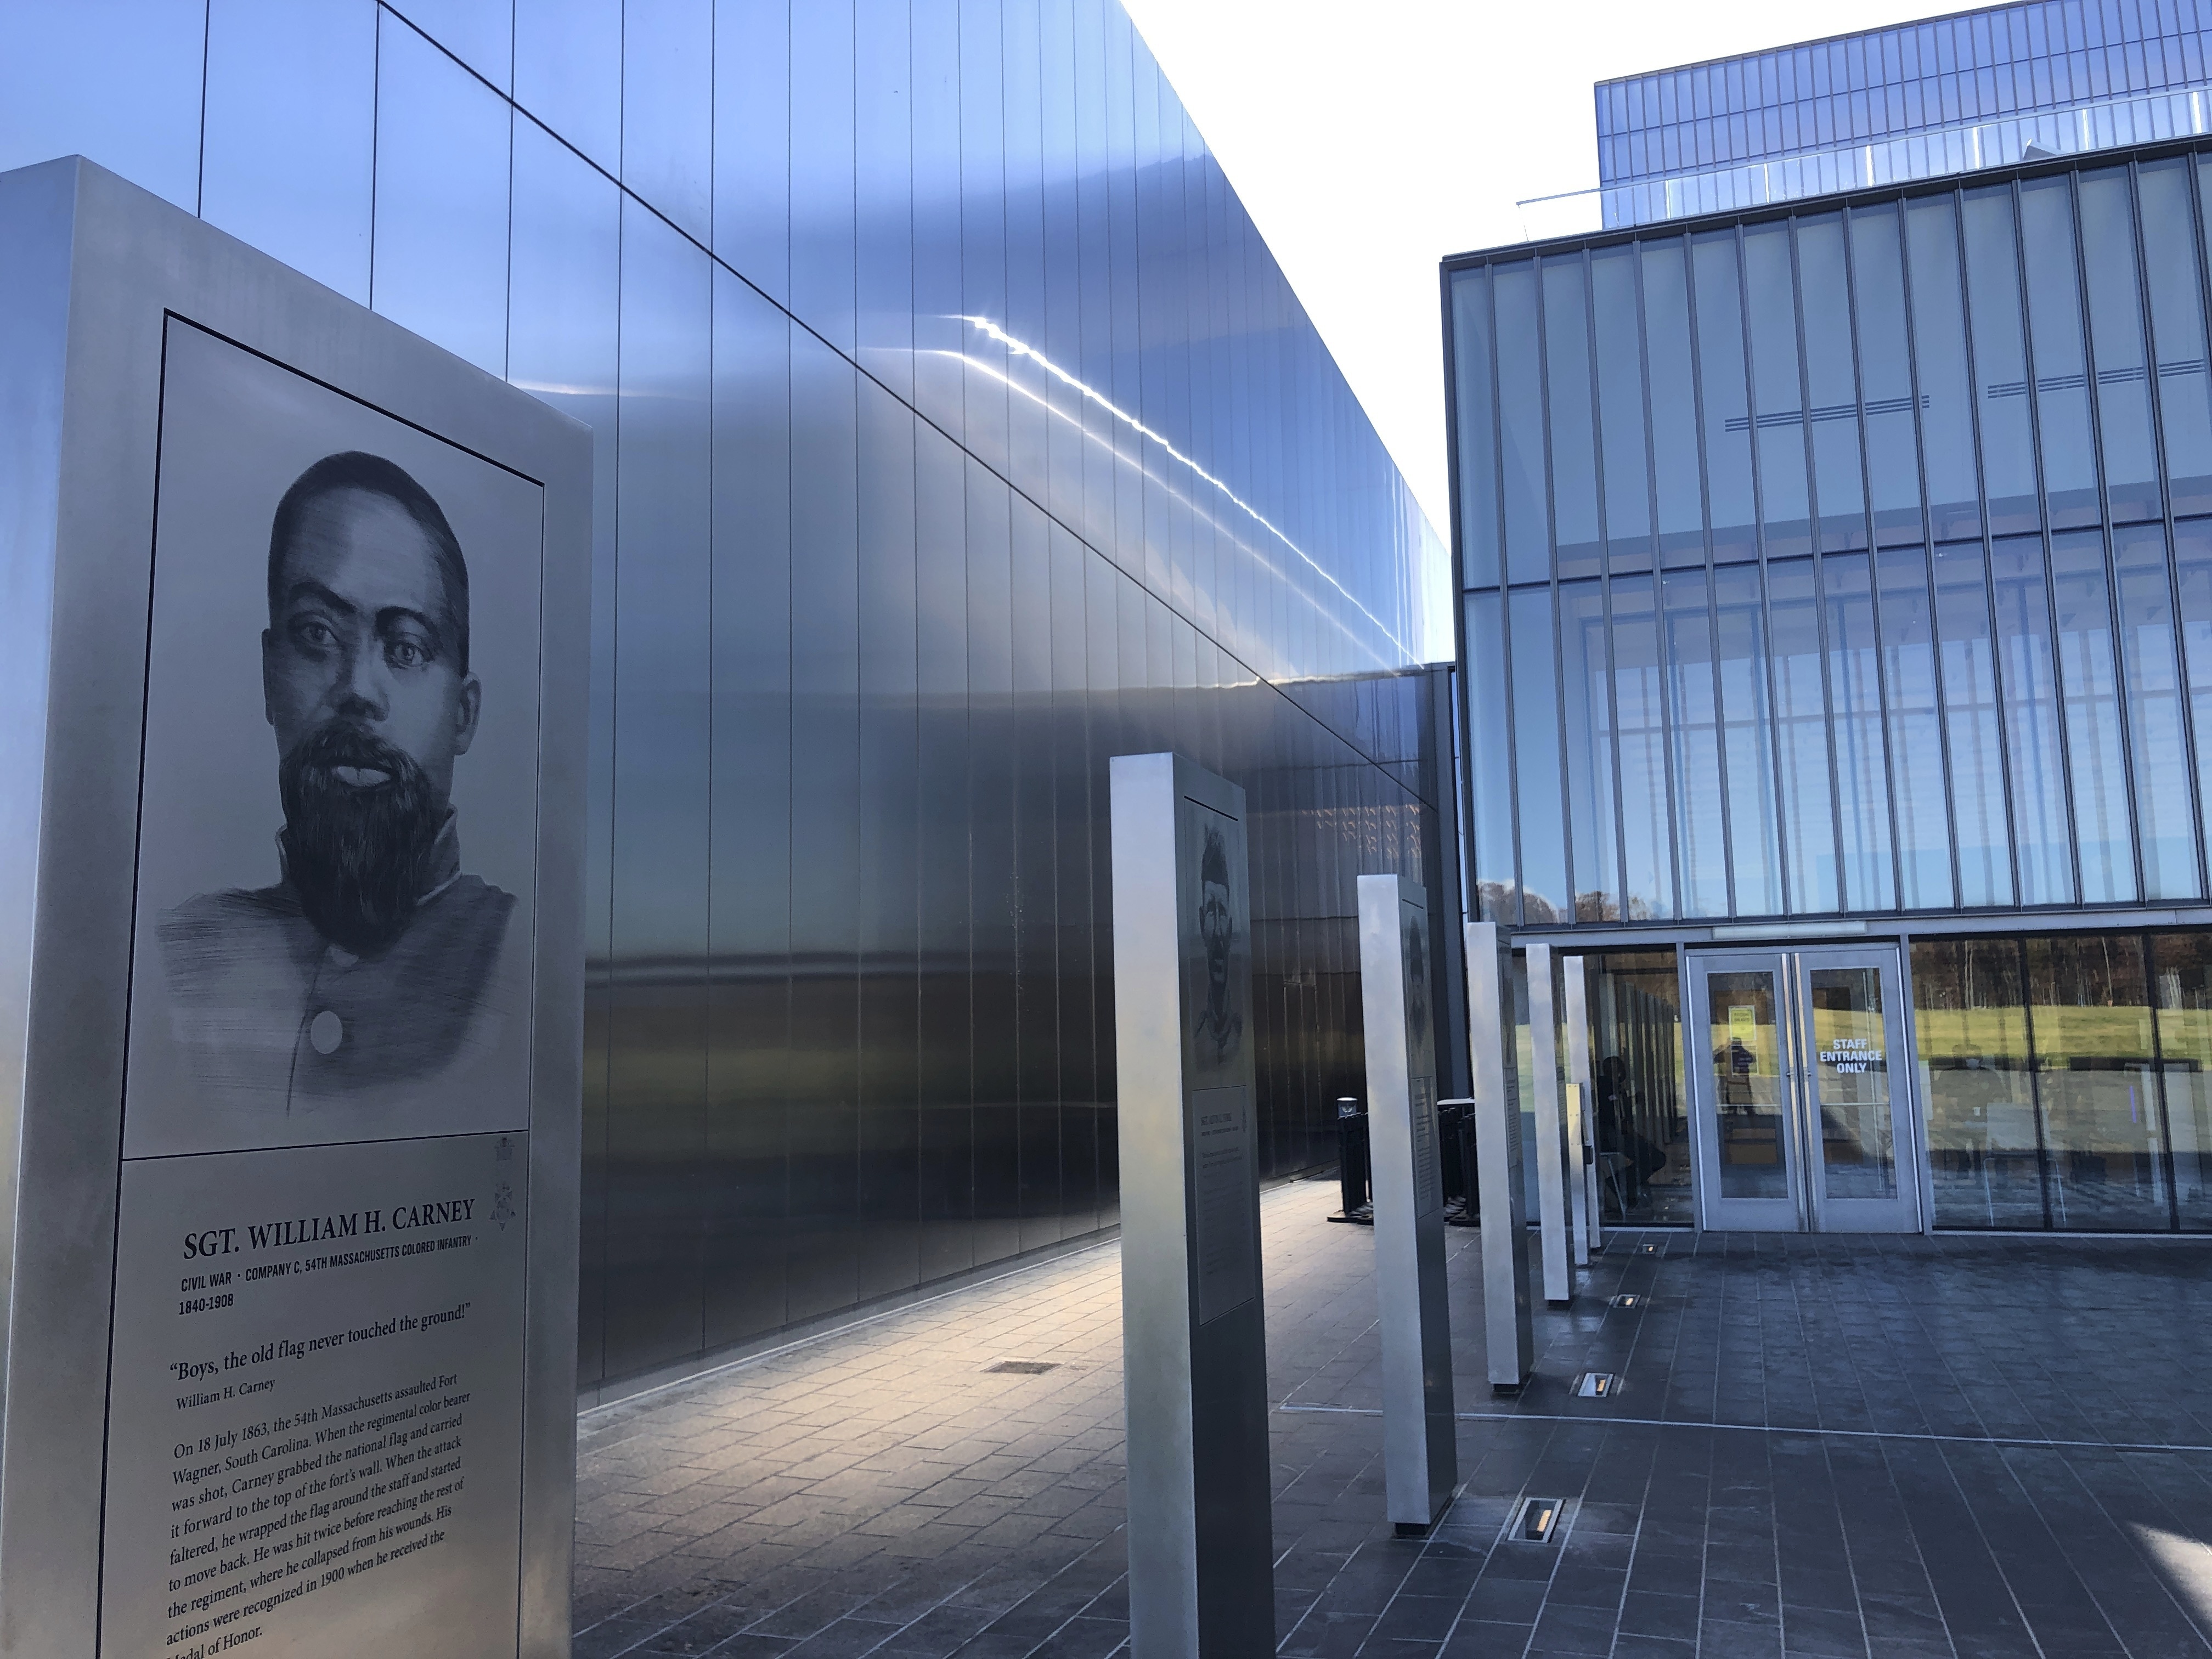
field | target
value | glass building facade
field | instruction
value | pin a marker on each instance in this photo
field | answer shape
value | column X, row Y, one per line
column 956, row 431
column 1946, row 96
column 1844, row 572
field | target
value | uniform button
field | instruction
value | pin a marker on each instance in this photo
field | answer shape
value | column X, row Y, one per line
column 326, row 1030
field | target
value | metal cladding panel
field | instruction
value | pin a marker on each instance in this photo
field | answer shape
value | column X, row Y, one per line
column 1194, row 1343
column 337, row 1183
column 1419, row 1431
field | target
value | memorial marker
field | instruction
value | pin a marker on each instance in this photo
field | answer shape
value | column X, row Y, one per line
column 1552, row 1164
column 1420, row 1458
column 1201, row 1531
column 290, row 918
column 1508, row 1323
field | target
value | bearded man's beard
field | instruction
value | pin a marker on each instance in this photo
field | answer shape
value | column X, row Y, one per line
column 357, row 852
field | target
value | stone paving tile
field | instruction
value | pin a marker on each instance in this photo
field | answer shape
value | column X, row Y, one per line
column 1834, row 1448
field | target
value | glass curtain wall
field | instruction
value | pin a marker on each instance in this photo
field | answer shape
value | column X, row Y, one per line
column 2063, row 1080
column 1841, row 561
column 956, row 431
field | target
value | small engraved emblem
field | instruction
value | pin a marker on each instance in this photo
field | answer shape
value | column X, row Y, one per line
column 503, row 1204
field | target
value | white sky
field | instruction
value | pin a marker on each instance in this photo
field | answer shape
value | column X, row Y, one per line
column 1370, row 140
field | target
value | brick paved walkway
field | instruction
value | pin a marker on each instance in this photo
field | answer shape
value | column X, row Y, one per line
column 1892, row 1448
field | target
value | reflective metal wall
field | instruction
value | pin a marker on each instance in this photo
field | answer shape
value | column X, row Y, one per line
column 956, row 431
column 1857, row 560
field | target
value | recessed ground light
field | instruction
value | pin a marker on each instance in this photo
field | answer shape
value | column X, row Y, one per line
column 1628, row 1301
column 1651, row 1249
column 1539, row 1516
column 1025, row 1367
column 1596, row 1385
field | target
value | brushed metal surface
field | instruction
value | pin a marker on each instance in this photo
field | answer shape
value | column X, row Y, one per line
column 1421, row 1460
column 95, row 272
column 1551, row 1129
column 1194, row 1341
column 1590, row 1210
column 1509, row 1331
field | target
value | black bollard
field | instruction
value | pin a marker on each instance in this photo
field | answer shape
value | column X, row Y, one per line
column 1352, row 1172
column 1459, row 1143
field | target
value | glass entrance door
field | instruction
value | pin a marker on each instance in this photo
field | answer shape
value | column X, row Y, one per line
column 1805, row 1119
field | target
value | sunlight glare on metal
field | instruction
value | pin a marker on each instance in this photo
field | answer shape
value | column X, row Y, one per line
column 992, row 331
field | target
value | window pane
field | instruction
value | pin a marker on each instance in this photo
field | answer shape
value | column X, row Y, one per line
column 1744, row 1038
column 1574, row 457
column 1722, row 386
column 1754, row 834
column 2177, row 315
column 1777, row 396
column 1621, row 409
column 2054, row 315
column 1520, row 402
column 2091, row 687
column 1674, row 418
column 1489, row 760
column 1861, row 762
column 2000, row 360
column 2181, row 968
column 2090, row 1020
column 1967, row 654
column 2156, row 725
column 1916, row 729
column 1800, row 719
column 2193, row 570
column 1590, row 750
column 1640, row 711
column 1831, row 415
column 1939, row 349
column 1886, row 377
column 2030, row 707
column 2108, row 256
column 1478, row 431
column 1546, row 893
column 1970, row 1024
column 1699, row 786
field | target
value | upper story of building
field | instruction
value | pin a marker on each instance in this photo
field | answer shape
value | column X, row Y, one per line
column 1920, row 99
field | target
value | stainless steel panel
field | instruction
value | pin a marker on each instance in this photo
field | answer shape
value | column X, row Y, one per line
column 442, row 167
column 1552, row 1170
column 752, row 141
column 1589, row 1208
column 884, row 192
column 824, row 1121
column 140, row 263
column 668, row 109
column 567, row 72
column 60, row 67
column 823, row 199
column 289, row 137
column 1420, row 1458
column 1195, row 1350
column 749, row 813
column 1509, row 1335
column 656, row 1042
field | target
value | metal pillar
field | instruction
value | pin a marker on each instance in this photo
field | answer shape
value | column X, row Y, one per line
column 1590, row 1210
column 1420, row 1461
column 1201, row 1541
column 1508, row 1333
column 1550, row 1130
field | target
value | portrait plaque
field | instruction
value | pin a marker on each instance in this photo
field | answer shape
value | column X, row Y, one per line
column 299, row 1089
column 1193, row 1337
